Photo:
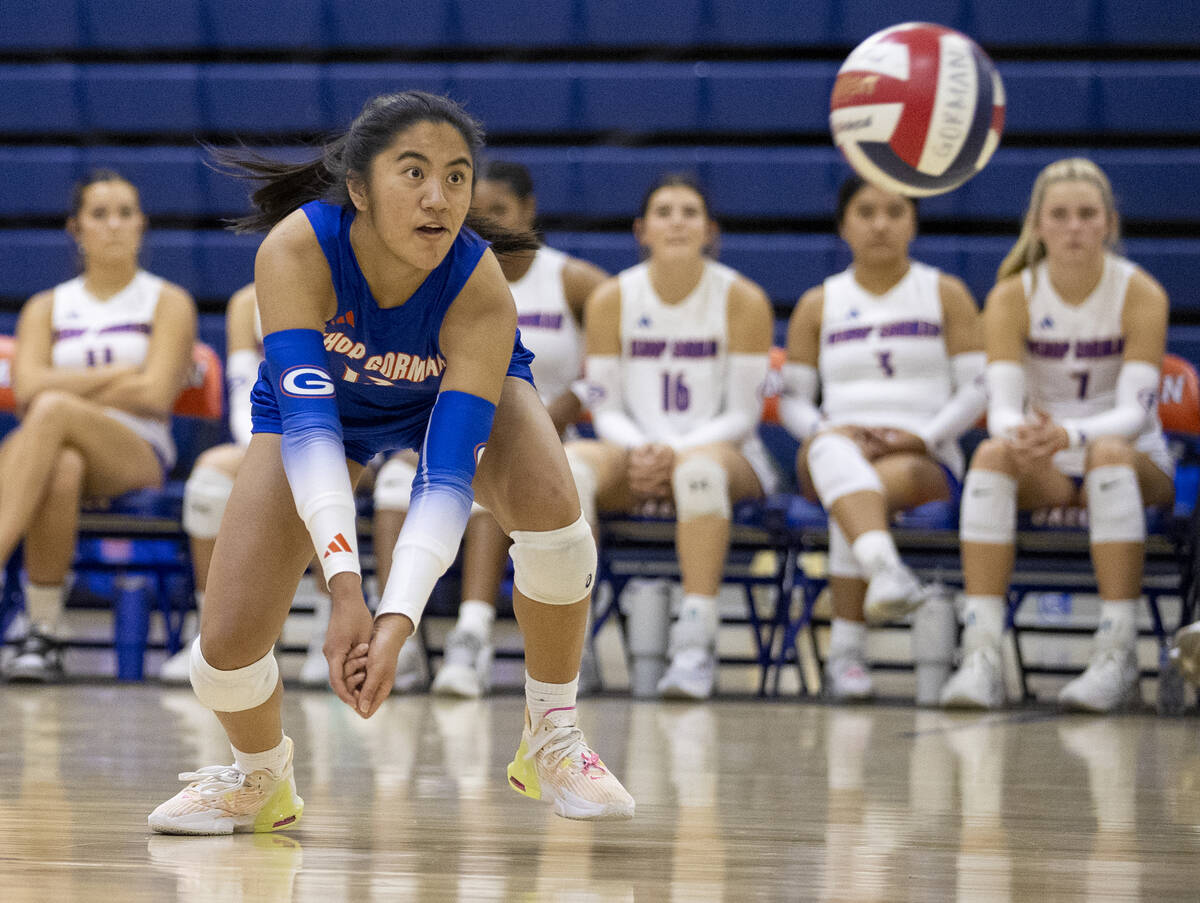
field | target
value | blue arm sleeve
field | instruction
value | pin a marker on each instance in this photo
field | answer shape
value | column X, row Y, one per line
column 459, row 426
column 314, row 458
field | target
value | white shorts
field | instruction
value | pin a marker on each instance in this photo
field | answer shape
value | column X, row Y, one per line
column 156, row 432
column 1154, row 445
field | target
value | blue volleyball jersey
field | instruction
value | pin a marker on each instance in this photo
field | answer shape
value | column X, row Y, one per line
column 386, row 362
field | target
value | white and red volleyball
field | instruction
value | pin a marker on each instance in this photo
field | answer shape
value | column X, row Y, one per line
column 917, row 109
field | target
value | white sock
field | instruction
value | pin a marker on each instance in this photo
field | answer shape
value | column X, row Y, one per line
column 44, row 607
column 274, row 760
column 875, row 550
column 700, row 611
column 476, row 617
column 847, row 637
column 1118, row 623
column 542, row 697
column 984, row 616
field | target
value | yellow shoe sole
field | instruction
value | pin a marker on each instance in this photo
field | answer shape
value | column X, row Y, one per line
column 282, row 810
column 522, row 775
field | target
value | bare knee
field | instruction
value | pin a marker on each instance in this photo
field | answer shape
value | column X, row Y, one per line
column 1109, row 451
column 224, row 458
column 994, row 454
column 48, row 410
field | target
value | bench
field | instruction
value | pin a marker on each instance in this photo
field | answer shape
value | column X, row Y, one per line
column 1051, row 557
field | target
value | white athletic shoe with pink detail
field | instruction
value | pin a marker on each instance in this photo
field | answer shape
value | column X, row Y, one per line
column 554, row 763
column 223, row 799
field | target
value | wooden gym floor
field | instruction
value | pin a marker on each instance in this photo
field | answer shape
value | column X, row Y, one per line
column 737, row 800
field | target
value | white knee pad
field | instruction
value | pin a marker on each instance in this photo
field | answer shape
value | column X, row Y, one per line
column 233, row 691
column 838, row 468
column 701, row 486
column 556, row 567
column 205, row 495
column 1114, row 503
column 842, row 562
column 585, row 485
column 989, row 508
column 393, row 485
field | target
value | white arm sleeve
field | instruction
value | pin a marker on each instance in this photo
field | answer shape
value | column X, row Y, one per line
column 1137, row 393
column 798, row 403
column 1006, row 397
column 744, row 379
column 241, row 373
column 315, row 463
column 965, row 405
column 612, row 422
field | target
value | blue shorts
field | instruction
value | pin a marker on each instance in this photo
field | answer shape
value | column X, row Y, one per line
column 403, row 428
column 953, row 482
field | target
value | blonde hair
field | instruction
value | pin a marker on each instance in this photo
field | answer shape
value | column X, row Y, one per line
column 1029, row 250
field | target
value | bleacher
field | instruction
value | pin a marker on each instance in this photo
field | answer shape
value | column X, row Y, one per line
column 596, row 97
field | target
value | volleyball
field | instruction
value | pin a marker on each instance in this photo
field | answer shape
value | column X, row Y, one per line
column 917, row 109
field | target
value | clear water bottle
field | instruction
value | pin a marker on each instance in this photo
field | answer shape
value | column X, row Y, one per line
column 647, row 607
column 934, row 636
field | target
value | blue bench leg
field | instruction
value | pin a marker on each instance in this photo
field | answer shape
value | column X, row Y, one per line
column 132, row 626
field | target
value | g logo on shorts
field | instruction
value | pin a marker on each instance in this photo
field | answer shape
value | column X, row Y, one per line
column 306, row 382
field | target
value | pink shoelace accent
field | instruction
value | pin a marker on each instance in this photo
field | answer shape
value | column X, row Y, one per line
column 592, row 760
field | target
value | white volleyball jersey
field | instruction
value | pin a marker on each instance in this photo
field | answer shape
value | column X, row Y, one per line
column 883, row 359
column 548, row 327
column 1074, row 353
column 89, row 332
column 674, row 356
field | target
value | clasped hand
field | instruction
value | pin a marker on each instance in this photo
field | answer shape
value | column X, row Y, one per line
column 1036, row 440
column 361, row 650
column 876, row 442
column 649, row 471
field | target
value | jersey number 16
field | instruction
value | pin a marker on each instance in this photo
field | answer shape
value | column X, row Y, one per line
column 675, row 394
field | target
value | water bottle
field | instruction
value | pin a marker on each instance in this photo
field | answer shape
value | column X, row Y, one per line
column 934, row 635
column 647, row 606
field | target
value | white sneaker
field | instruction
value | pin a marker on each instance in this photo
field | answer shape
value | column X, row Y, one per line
column 979, row 681
column 847, row 678
column 1111, row 679
column 691, row 674
column 178, row 668
column 554, row 763
column 38, row 660
column 412, row 668
column 314, row 672
column 466, row 669
column 1186, row 652
column 892, row 593
column 223, row 799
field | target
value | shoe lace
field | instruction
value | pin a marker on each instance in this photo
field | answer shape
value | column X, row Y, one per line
column 1108, row 660
column 463, row 647
column 38, row 644
column 215, row 779
column 561, row 742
